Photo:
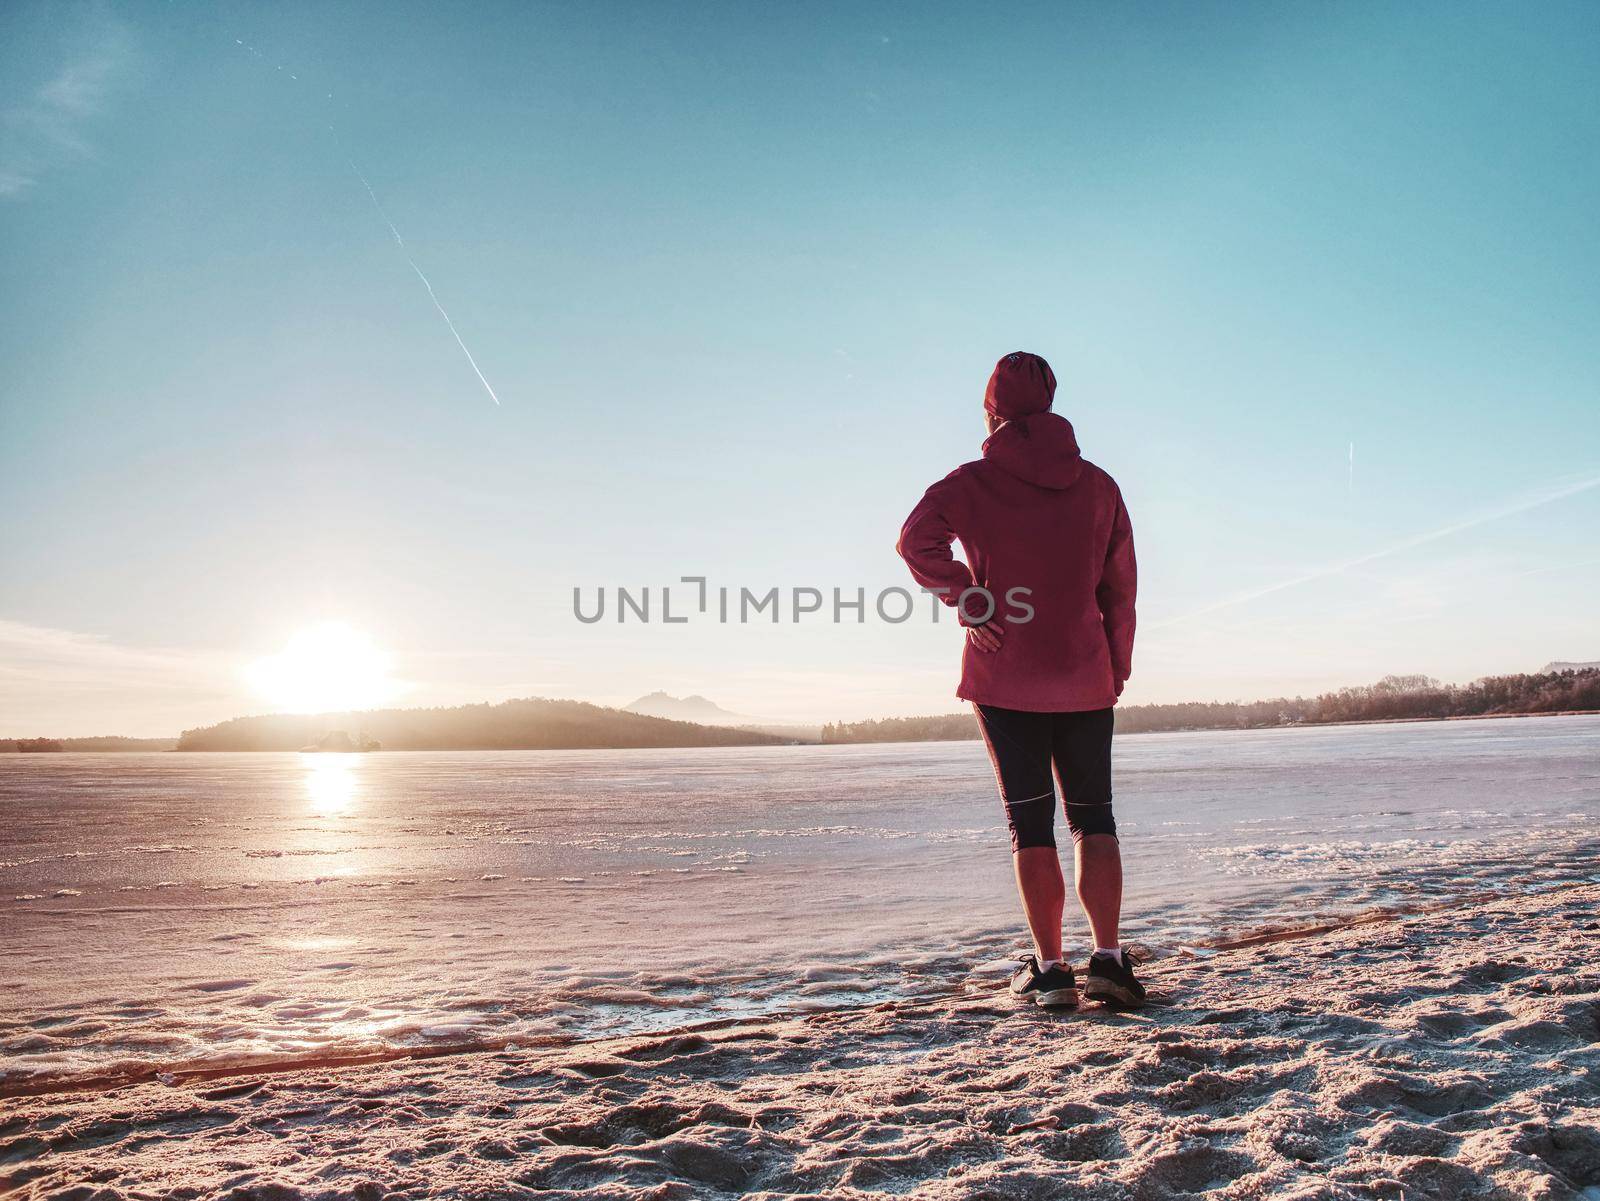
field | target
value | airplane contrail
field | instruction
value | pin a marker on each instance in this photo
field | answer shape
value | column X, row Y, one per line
column 398, row 240
column 1548, row 496
column 401, row 242
column 1556, row 567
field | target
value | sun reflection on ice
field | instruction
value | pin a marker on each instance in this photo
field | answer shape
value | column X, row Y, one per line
column 333, row 783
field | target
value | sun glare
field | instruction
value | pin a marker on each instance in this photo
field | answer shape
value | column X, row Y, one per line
column 331, row 783
column 324, row 669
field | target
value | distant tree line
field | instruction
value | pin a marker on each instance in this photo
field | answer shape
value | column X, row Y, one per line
column 947, row 727
column 1393, row 698
column 536, row 723
column 109, row 742
column 32, row 746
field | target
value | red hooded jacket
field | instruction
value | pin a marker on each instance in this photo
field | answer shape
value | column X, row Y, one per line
column 1033, row 514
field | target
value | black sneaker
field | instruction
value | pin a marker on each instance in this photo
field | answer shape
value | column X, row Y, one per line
column 1112, row 981
column 1054, row 987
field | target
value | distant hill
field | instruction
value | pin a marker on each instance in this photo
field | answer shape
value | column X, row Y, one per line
column 686, row 708
column 702, row 711
column 1393, row 698
column 1559, row 665
column 533, row 724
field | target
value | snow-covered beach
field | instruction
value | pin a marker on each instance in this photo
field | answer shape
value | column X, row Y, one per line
column 1451, row 1054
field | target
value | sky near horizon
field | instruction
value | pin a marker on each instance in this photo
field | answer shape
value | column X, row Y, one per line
column 1321, row 285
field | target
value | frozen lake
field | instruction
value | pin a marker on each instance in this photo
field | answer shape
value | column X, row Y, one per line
column 179, row 909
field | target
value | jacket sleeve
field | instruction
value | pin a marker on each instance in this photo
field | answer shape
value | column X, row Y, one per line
column 1118, row 585
column 925, row 546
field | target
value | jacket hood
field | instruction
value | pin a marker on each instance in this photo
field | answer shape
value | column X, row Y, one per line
column 1038, row 449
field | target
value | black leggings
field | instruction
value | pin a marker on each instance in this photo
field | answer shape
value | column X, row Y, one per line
column 1025, row 746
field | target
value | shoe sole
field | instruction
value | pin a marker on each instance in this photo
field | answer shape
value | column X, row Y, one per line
column 1107, row 990
column 1058, row 998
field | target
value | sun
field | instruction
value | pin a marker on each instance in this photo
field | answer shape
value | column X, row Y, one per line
column 324, row 668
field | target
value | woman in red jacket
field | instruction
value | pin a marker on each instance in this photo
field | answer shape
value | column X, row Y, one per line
column 1046, row 597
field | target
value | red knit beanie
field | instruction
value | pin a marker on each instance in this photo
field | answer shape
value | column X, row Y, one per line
column 1022, row 383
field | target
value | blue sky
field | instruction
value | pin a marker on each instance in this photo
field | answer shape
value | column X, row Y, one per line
column 738, row 276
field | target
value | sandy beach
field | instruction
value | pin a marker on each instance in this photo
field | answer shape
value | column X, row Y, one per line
column 1445, row 1054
